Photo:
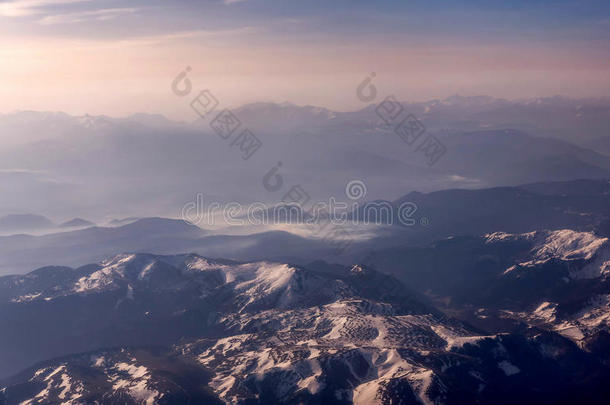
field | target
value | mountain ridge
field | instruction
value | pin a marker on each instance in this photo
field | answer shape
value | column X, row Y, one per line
column 351, row 346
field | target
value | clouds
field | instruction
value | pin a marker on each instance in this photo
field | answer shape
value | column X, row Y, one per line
column 71, row 12
column 53, row 12
column 98, row 15
column 24, row 8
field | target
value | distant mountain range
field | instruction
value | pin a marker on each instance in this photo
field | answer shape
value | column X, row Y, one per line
column 98, row 166
column 579, row 204
column 76, row 223
column 25, row 223
column 582, row 205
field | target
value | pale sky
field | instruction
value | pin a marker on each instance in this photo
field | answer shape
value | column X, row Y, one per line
column 119, row 57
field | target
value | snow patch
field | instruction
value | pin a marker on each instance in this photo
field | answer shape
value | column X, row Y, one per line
column 455, row 339
column 136, row 384
column 508, row 368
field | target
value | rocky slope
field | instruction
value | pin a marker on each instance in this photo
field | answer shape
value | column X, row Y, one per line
column 264, row 333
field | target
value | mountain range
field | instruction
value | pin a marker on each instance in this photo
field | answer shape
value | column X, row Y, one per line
column 493, row 288
column 501, row 297
column 489, row 142
column 177, row 329
column 32, row 223
column 581, row 205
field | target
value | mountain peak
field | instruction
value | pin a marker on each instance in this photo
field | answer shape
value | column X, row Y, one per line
column 76, row 222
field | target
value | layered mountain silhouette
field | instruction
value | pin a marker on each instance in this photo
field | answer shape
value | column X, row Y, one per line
column 581, row 205
column 95, row 164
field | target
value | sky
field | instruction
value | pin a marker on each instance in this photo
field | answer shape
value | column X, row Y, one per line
column 120, row 57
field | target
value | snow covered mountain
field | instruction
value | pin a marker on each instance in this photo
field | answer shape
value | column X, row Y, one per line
column 576, row 300
column 123, row 376
column 262, row 333
column 555, row 280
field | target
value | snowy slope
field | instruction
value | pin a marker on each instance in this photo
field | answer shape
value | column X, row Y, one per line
column 262, row 333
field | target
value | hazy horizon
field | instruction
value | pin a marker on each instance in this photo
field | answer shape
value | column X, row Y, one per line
column 188, row 116
column 116, row 57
